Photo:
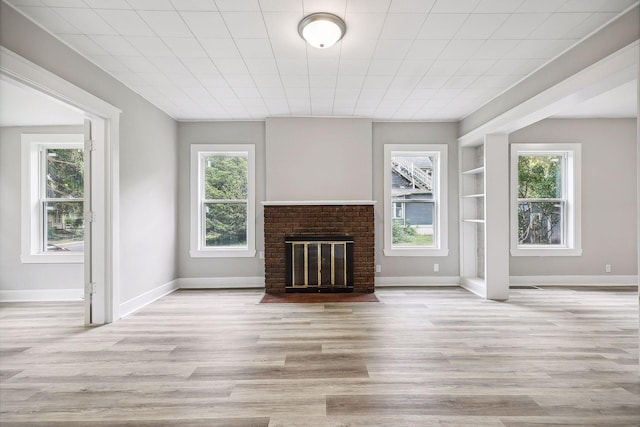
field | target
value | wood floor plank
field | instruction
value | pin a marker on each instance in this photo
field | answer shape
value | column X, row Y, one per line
column 572, row 421
column 419, row 357
column 210, row 422
column 397, row 420
column 432, row 404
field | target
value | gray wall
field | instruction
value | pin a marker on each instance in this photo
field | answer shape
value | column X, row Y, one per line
column 609, row 212
column 254, row 133
column 148, row 153
column 219, row 133
column 318, row 159
column 148, row 199
column 14, row 275
column 416, row 133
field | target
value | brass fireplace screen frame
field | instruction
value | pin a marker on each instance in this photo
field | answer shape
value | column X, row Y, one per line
column 319, row 264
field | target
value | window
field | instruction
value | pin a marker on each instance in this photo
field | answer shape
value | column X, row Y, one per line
column 53, row 198
column 415, row 200
column 222, row 201
column 545, row 200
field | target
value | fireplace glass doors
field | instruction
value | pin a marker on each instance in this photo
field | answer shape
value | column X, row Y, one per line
column 319, row 264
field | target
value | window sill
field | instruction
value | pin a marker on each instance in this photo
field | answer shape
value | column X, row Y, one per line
column 52, row 259
column 223, row 253
column 414, row 252
column 544, row 252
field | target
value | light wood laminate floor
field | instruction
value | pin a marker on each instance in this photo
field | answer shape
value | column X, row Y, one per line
column 420, row 357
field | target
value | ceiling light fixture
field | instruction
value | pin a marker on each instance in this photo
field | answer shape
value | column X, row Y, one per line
column 321, row 30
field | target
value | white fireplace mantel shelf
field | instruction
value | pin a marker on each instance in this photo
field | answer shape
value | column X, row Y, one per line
column 317, row 202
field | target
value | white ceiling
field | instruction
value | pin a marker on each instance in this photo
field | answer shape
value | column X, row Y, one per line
column 619, row 102
column 243, row 59
column 23, row 106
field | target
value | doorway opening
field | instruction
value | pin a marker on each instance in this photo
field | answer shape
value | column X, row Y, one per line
column 97, row 123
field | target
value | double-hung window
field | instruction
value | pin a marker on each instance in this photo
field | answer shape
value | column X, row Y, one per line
column 222, row 200
column 545, row 200
column 53, row 198
column 415, row 195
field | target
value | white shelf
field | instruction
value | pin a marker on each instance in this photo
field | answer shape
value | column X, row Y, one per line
column 474, row 220
column 474, row 171
column 473, row 196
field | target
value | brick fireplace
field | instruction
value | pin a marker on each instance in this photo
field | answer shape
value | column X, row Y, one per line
column 300, row 220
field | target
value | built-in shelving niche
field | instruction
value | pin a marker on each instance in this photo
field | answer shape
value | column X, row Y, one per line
column 472, row 215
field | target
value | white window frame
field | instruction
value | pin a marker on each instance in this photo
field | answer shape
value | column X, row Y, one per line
column 440, row 177
column 32, row 224
column 198, row 153
column 572, row 190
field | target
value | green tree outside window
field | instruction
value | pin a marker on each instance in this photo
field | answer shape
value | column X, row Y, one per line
column 225, row 204
column 63, row 203
column 541, row 203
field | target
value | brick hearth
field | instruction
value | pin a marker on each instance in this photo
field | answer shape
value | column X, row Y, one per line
column 282, row 221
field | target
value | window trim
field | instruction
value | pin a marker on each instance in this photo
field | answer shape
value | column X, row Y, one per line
column 441, row 246
column 197, row 249
column 32, row 222
column 572, row 185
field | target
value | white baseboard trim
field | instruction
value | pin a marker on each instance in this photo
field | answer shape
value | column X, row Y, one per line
column 608, row 280
column 410, row 281
column 474, row 285
column 41, row 295
column 136, row 303
column 221, row 282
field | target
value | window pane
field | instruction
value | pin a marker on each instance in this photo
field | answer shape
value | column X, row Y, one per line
column 540, row 223
column 412, row 176
column 226, row 178
column 226, row 224
column 417, row 226
column 540, row 176
column 412, row 185
column 65, row 168
column 64, row 226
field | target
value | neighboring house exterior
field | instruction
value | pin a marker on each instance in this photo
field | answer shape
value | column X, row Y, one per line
column 412, row 180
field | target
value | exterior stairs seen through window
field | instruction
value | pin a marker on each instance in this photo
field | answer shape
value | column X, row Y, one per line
column 416, row 176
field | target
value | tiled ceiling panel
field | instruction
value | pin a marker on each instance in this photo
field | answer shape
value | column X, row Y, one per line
column 244, row 59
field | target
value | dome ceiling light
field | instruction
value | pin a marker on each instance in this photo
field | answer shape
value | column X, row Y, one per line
column 322, row 30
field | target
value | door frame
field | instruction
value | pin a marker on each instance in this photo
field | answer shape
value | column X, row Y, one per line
column 105, row 118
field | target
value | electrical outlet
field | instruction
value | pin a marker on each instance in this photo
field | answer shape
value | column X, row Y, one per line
column 607, row 268
column 378, row 268
column 436, row 267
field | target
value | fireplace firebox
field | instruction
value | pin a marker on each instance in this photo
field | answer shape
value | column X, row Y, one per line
column 319, row 264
